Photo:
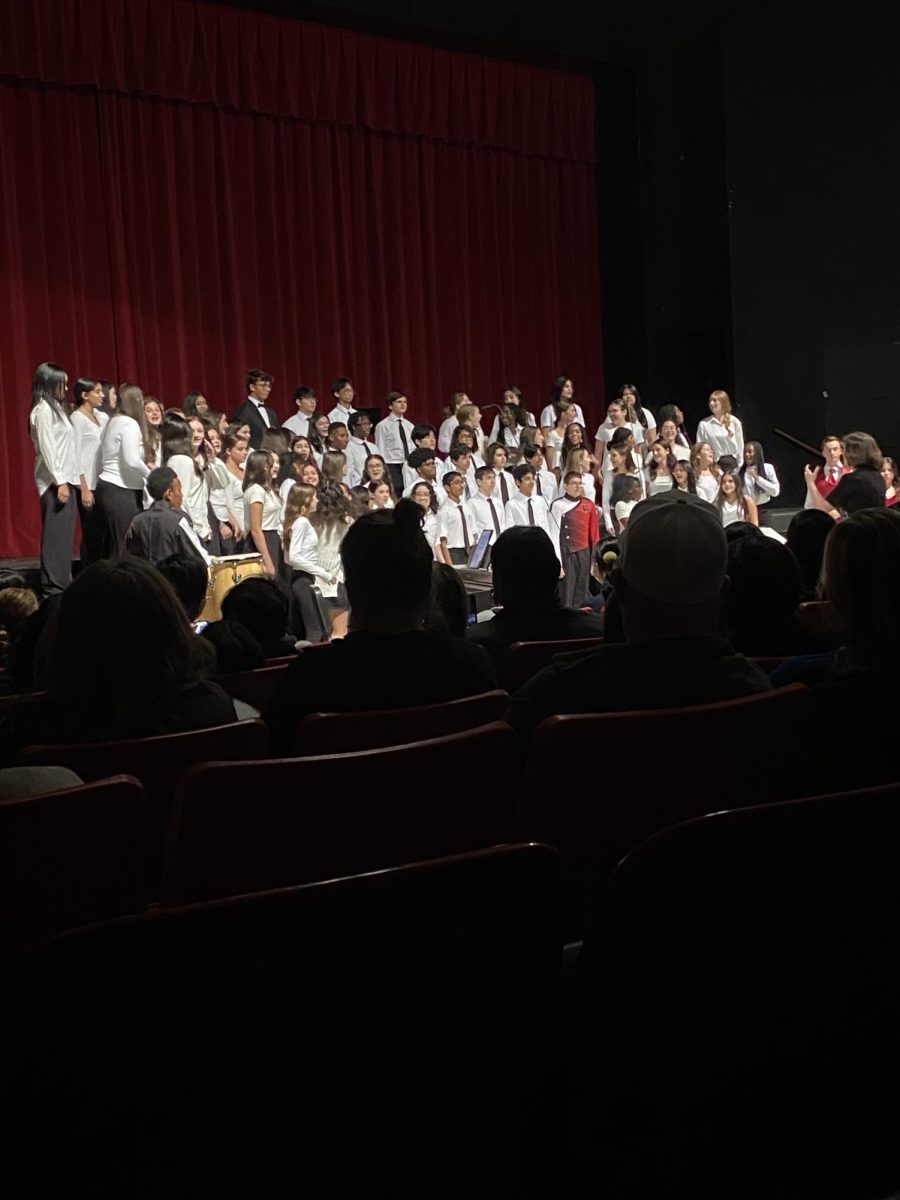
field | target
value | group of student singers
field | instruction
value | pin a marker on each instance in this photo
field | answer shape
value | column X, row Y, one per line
column 142, row 477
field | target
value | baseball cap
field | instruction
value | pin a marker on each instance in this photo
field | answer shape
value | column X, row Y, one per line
column 674, row 549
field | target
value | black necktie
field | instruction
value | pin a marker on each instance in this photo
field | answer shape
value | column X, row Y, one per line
column 465, row 528
column 539, row 488
column 403, row 438
column 494, row 515
column 504, row 488
column 530, row 512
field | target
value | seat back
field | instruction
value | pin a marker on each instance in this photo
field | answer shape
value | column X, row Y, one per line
column 254, row 687
column 244, row 827
column 397, row 999
column 524, row 659
column 71, row 857
column 158, row 762
column 747, row 964
column 737, row 752
column 817, row 617
column 338, row 733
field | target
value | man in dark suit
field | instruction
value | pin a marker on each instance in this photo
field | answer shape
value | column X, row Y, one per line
column 255, row 411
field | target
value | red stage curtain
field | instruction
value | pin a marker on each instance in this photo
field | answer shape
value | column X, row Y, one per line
column 248, row 191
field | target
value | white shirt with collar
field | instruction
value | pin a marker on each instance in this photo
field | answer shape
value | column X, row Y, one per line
column 54, row 446
column 303, row 552
column 358, row 450
column 388, row 440
column 511, row 489
column 122, row 453
column 340, row 415
column 433, row 484
column 481, row 511
column 450, row 518
column 87, row 435
column 298, row 424
column 723, row 439
column 764, row 488
column 517, row 513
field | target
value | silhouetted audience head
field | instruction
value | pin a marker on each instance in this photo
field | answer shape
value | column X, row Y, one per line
column 189, row 580
column 387, row 569
column 236, row 647
column 261, row 606
column 127, row 680
column 671, row 573
column 525, row 568
column 16, row 605
column 761, row 603
column 449, row 602
column 806, row 537
column 738, row 530
column 861, row 578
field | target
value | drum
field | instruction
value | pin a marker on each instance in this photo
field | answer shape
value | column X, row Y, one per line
column 224, row 573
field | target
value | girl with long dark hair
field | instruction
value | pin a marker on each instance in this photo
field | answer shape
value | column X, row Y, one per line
column 262, row 510
column 123, row 469
column 55, row 474
column 88, row 422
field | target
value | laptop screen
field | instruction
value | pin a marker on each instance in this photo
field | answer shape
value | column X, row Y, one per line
column 476, row 556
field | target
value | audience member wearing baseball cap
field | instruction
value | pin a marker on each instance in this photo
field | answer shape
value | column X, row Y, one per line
column 669, row 584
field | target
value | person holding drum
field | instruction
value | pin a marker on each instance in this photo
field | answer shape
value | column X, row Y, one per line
column 262, row 510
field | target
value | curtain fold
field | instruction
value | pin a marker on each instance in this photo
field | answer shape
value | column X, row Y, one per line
column 283, row 196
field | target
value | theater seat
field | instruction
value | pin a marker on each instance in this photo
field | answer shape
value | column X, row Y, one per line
column 157, row 762
column 660, row 767
column 71, row 857
column 337, row 733
column 254, row 687
column 524, row 659
column 370, row 1026
column 242, row 827
column 744, row 981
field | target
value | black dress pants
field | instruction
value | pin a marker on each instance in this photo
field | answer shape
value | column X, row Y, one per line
column 57, row 539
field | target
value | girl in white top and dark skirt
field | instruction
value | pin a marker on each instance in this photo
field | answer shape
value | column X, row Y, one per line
column 722, row 429
column 55, row 474
column 301, row 552
column 181, row 453
column 123, row 469
column 88, row 423
column 331, row 519
column 262, row 510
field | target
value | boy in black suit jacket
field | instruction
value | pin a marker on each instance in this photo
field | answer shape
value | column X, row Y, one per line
column 255, row 410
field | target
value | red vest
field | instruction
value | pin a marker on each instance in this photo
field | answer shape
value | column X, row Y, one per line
column 825, row 484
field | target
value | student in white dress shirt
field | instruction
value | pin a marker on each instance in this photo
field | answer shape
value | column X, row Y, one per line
column 87, row 427
column 671, row 412
column 760, row 481
column 527, row 508
column 334, row 468
column 533, row 456
column 683, row 475
column 562, row 389
column 461, row 461
column 123, row 469
column 731, row 502
column 55, row 474
column 185, row 450
column 375, row 471
column 331, row 520
column 358, row 448
column 722, row 429
column 153, row 419
column 424, row 438
column 234, row 455
column 498, row 458
column 626, row 494
column 638, row 414
column 456, row 536
column 305, row 399
column 301, row 553
column 706, row 472
column 393, row 437
column 469, row 417
column 556, row 434
column 465, row 438
column 512, row 419
column 380, row 494
column 422, row 493
column 318, row 435
column 423, row 465
column 344, row 394
column 658, row 475
column 262, row 510
column 450, row 422
column 616, row 418
column 485, row 510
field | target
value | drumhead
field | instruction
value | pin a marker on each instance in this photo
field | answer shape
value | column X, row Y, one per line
column 233, row 558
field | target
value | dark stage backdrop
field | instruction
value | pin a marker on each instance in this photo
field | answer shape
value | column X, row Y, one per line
column 187, row 191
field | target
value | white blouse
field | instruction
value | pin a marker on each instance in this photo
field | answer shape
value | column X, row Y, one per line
column 723, row 439
column 271, row 502
column 196, row 489
column 765, row 487
column 303, row 552
column 707, row 487
column 662, row 483
column 87, row 435
column 122, row 453
column 54, row 447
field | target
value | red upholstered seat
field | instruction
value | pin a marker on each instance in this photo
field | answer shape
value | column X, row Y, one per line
column 71, row 857
column 524, row 659
column 254, row 687
column 243, row 827
column 337, row 733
